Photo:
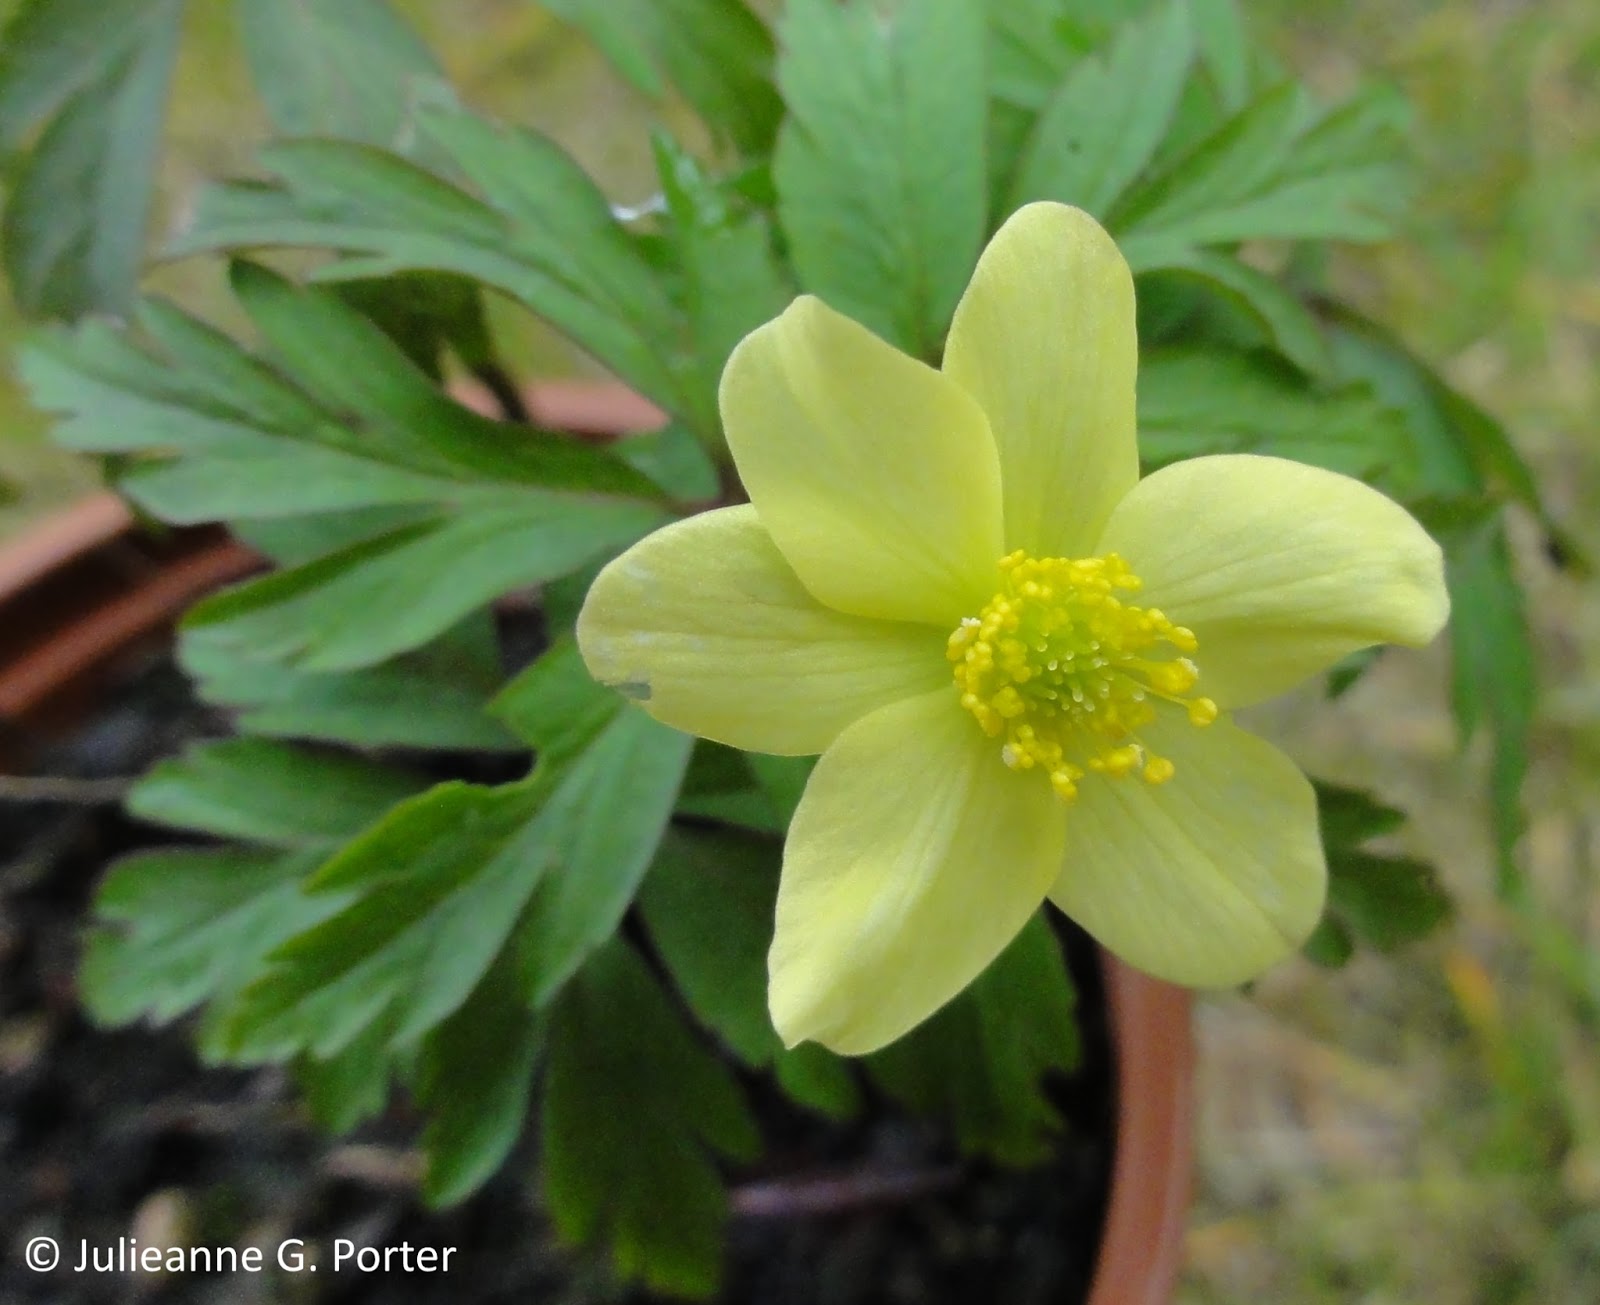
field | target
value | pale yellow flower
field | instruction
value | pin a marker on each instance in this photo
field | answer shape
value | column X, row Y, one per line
column 1015, row 657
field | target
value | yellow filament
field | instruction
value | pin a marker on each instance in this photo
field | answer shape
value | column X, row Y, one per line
column 1065, row 673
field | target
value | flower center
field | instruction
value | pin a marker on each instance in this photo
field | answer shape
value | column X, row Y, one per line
column 1066, row 673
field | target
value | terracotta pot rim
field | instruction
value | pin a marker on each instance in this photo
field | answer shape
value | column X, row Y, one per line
column 82, row 588
column 1141, row 1247
column 58, row 539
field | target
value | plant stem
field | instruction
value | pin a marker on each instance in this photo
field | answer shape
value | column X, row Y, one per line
column 837, row 1193
column 495, row 379
column 62, row 788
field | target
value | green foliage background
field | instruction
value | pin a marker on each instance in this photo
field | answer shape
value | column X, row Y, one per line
column 1431, row 1131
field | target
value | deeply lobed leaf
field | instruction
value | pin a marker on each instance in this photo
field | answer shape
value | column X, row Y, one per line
column 90, row 80
column 634, row 1109
column 715, row 52
column 879, row 169
column 260, row 791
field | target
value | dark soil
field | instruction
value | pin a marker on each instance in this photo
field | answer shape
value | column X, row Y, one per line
column 108, row 1134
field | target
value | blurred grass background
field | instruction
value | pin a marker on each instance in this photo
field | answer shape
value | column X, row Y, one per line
column 1423, row 1128
column 1427, row 1128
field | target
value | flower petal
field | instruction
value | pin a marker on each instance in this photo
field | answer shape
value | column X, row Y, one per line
column 914, row 857
column 706, row 625
column 1280, row 569
column 1044, row 339
column 1205, row 880
column 876, row 476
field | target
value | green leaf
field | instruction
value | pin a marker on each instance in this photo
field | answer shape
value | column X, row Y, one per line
column 251, row 443
column 708, row 904
column 208, row 371
column 1038, row 47
column 294, row 540
column 730, row 280
column 744, row 808
column 815, row 1077
column 673, row 459
column 1280, row 319
column 51, row 49
column 1225, row 51
column 1378, row 900
column 433, row 697
column 349, row 1088
column 752, row 791
column 428, row 315
column 1032, row 45
column 1349, row 816
column 783, row 779
column 555, row 705
column 542, row 233
column 68, row 371
column 1272, row 171
column 719, row 786
column 392, row 594
column 447, row 878
column 1504, row 472
column 633, row 1110
column 616, row 30
column 717, row 768
column 1494, row 677
column 1361, row 144
column 476, row 1083
column 1197, row 400
column 563, row 599
column 342, row 68
column 605, row 822
column 1239, row 158
column 247, row 479
column 716, row 52
column 91, row 78
column 980, row 1062
column 880, row 171
column 1385, row 901
column 351, row 367
column 1470, row 464
column 1103, row 124
column 179, row 927
column 558, row 216
column 265, row 792
column 1364, row 352
column 1457, row 456
column 1347, row 672
column 1330, row 944
column 425, row 899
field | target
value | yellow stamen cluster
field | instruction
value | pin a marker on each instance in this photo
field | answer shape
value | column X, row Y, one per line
column 1066, row 673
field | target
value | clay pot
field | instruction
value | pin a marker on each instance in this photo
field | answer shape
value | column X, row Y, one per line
column 86, row 588
column 89, row 588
